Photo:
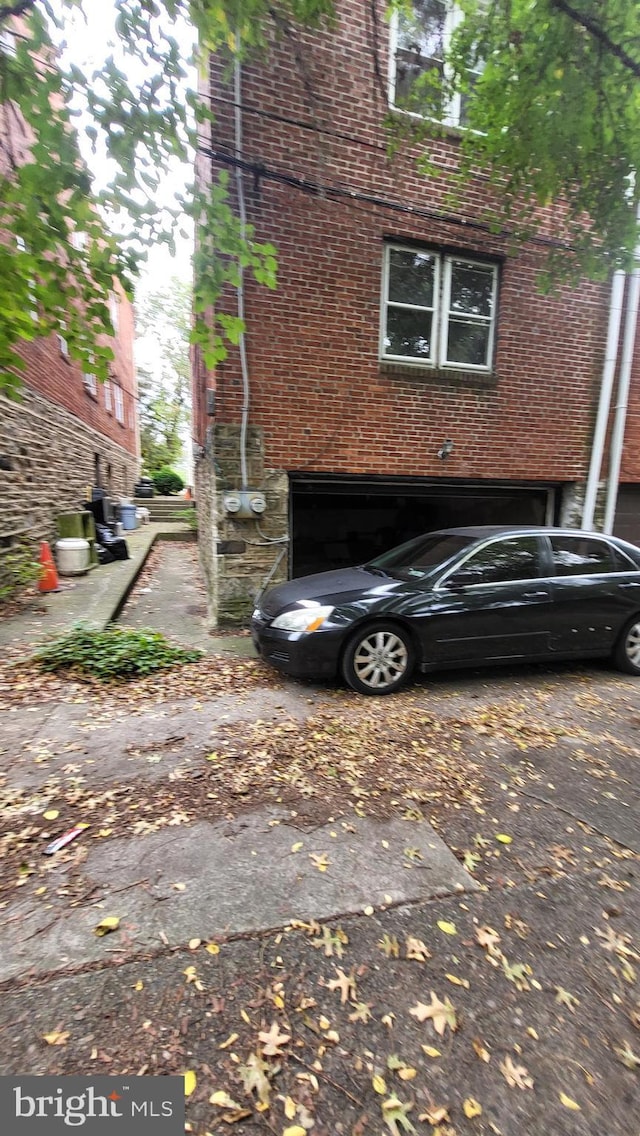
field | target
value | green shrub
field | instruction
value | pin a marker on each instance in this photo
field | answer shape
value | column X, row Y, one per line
column 19, row 569
column 167, row 481
column 116, row 652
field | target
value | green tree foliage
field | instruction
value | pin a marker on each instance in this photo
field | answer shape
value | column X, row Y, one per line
column 143, row 126
column 555, row 115
column 164, row 319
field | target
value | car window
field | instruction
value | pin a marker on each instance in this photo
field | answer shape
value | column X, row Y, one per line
column 420, row 554
column 580, row 556
column 623, row 562
column 517, row 558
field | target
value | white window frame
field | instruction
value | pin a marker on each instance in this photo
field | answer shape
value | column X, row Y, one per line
column 452, row 114
column 62, row 342
column 443, row 266
column 8, row 42
column 90, row 383
column 107, row 396
column 118, row 402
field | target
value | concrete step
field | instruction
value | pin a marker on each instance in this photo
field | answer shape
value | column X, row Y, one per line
column 165, row 508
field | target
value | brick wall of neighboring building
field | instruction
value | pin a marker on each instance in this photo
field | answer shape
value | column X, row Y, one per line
column 320, row 396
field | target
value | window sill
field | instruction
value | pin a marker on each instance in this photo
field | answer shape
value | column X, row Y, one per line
column 439, row 375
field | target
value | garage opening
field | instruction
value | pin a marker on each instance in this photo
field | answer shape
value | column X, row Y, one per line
column 627, row 522
column 339, row 521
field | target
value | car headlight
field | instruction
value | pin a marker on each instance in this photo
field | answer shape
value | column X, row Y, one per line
column 302, row 618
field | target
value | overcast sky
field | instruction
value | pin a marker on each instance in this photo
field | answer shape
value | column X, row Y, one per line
column 89, row 42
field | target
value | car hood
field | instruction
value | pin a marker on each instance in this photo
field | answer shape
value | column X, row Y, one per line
column 326, row 587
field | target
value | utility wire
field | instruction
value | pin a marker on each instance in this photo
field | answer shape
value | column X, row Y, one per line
column 319, row 189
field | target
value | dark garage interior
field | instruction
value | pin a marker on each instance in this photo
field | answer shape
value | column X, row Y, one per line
column 337, row 521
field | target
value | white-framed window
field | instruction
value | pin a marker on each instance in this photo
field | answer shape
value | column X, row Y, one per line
column 79, row 240
column 438, row 309
column 420, row 37
column 62, row 342
column 107, row 396
column 8, row 44
column 90, row 383
column 118, row 402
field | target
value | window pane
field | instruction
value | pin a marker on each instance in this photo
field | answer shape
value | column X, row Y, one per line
column 411, row 277
column 577, row 556
column 504, row 560
column 420, row 47
column 471, row 289
column 408, row 333
column 468, row 343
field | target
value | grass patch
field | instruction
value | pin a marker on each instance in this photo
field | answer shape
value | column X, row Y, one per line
column 115, row 653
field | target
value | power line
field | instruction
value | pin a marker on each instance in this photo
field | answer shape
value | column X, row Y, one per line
column 319, row 189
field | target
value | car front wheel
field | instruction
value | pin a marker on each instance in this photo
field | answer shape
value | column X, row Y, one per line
column 379, row 659
column 626, row 655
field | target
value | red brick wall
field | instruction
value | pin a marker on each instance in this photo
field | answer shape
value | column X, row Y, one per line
column 59, row 379
column 318, row 389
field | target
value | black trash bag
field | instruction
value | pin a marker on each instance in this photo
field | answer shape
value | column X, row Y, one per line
column 104, row 555
column 116, row 546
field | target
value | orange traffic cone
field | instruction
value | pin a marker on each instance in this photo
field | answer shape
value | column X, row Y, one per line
column 48, row 581
column 187, row 493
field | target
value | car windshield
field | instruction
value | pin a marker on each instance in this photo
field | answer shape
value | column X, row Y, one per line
column 419, row 556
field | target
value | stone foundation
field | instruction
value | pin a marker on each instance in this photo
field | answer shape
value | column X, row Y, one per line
column 239, row 557
column 47, row 460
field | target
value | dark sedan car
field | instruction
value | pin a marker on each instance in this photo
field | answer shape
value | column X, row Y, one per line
column 455, row 598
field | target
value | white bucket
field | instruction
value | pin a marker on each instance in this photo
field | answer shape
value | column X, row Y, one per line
column 72, row 556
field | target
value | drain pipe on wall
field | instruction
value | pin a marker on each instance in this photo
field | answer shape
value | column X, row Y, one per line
column 606, row 390
column 242, row 212
column 624, row 382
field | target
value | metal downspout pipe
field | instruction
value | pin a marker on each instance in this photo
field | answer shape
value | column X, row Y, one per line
column 242, row 212
column 606, row 390
column 624, row 382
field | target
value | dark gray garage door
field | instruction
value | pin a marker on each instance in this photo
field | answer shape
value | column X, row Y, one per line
column 627, row 523
column 342, row 520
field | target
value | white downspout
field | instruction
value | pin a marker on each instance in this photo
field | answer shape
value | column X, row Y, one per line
column 620, row 420
column 244, row 423
column 606, row 389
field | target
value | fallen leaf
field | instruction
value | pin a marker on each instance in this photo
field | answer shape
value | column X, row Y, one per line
column 345, row 983
column 230, row 1040
column 435, row 1115
column 194, row 944
column 289, row 1108
column 430, row 1051
column 569, row 1103
column 56, row 1037
column 481, row 1050
column 503, row 838
column 105, row 926
column 458, row 981
column 564, row 998
column 222, row 1100
column 487, row 937
column 416, row 949
column 294, row 1130
column 471, row 1108
column 395, row 1112
column 442, row 1014
column 190, row 1081
column 379, row 1084
column 516, row 1076
column 320, row 860
column 272, row 1040
column 51, row 814
column 448, row 928
column 212, row 948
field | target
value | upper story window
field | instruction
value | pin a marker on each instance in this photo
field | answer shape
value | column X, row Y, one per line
column 419, row 39
column 8, row 43
column 90, row 383
column 107, row 396
column 437, row 309
column 118, row 402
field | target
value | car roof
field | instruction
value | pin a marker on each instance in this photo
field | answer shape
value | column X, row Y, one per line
column 479, row 531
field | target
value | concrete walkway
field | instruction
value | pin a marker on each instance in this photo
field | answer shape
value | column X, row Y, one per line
column 177, row 605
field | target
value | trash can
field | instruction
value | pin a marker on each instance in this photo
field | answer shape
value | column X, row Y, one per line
column 128, row 517
column 72, row 555
column 144, row 487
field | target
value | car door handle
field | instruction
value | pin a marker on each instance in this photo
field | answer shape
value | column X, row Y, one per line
column 631, row 584
column 535, row 595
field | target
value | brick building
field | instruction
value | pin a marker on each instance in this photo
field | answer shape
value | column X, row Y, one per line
column 68, row 431
column 407, row 373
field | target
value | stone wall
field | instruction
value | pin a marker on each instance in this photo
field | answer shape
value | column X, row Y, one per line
column 240, row 557
column 47, row 460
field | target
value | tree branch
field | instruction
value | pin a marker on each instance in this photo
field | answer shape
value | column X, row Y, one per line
column 598, row 33
column 17, row 9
